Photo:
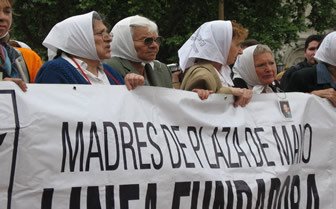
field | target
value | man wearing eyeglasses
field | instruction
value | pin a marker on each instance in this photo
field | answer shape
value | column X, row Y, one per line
column 134, row 48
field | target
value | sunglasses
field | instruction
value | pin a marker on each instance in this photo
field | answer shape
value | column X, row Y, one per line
column 149, row 40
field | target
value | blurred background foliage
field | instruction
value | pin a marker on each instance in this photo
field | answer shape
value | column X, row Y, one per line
column 274, row 23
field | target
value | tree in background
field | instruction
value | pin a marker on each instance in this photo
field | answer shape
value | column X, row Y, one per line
column 273, row 23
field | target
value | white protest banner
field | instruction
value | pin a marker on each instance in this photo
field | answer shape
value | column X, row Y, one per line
column 81, row 146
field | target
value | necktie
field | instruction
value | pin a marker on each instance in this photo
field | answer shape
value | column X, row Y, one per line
column 148, row 69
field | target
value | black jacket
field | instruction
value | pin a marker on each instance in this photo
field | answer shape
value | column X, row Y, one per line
column 288, row 73
column 305, row 80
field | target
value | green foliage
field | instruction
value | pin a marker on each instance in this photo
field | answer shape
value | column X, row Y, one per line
column 274, row 23
column 322, row 16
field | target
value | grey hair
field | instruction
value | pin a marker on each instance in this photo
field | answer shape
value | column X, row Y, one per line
column 140, row 21
column 261, row 48
column 95, row 16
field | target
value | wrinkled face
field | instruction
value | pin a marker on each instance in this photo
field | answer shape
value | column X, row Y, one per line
column 310, row 52
column 145, row 51
column 102, row 40
column 235, row 50
column 265, row 68
column 5, row 16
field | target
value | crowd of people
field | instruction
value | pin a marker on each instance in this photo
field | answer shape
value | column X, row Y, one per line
column 215, row 59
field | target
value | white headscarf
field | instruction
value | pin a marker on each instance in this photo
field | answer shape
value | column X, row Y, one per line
column 327, row 50
column 244, row 69
column 73, row 35
column 211, row 41
column 122, row 44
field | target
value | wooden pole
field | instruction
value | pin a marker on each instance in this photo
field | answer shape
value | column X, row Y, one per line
column 221, row 9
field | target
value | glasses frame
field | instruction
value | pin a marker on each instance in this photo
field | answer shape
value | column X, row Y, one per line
column 104, row 35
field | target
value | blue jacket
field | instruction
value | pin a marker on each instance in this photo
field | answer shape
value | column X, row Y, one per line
column 61, row 71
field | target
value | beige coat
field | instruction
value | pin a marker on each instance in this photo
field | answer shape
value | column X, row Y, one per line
column 203, row 76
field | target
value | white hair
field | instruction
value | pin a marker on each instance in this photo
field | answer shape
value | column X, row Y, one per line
column 261, row 48
column 140, row 21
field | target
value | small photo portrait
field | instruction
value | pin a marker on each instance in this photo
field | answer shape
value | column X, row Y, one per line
column 285, row 109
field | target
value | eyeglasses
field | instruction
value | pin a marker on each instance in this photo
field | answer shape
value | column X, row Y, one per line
column 104, row 35
column 149, row 40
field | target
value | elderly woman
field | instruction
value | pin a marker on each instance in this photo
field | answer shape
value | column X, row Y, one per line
column 206, row 56
column 81, row 43
column 135, row 45
column 256, row 69
column 319, row 79
column 13, row 65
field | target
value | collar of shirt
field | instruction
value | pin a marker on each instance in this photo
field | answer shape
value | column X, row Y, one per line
column 100, row 79
column 323, row 75
column 149, row 63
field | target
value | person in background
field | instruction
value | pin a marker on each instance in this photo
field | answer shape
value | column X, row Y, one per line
column 32, row 59
column 279, row 75
column 177, row 74
column 135, row 44
column 79, row 59
column 248, row 42
column 205, row 58
column 318, row 79
column 13, row 68
column 256, row 69
column 311, row 45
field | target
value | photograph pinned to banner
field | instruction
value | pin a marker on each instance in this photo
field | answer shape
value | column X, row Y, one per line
column 285, row 109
